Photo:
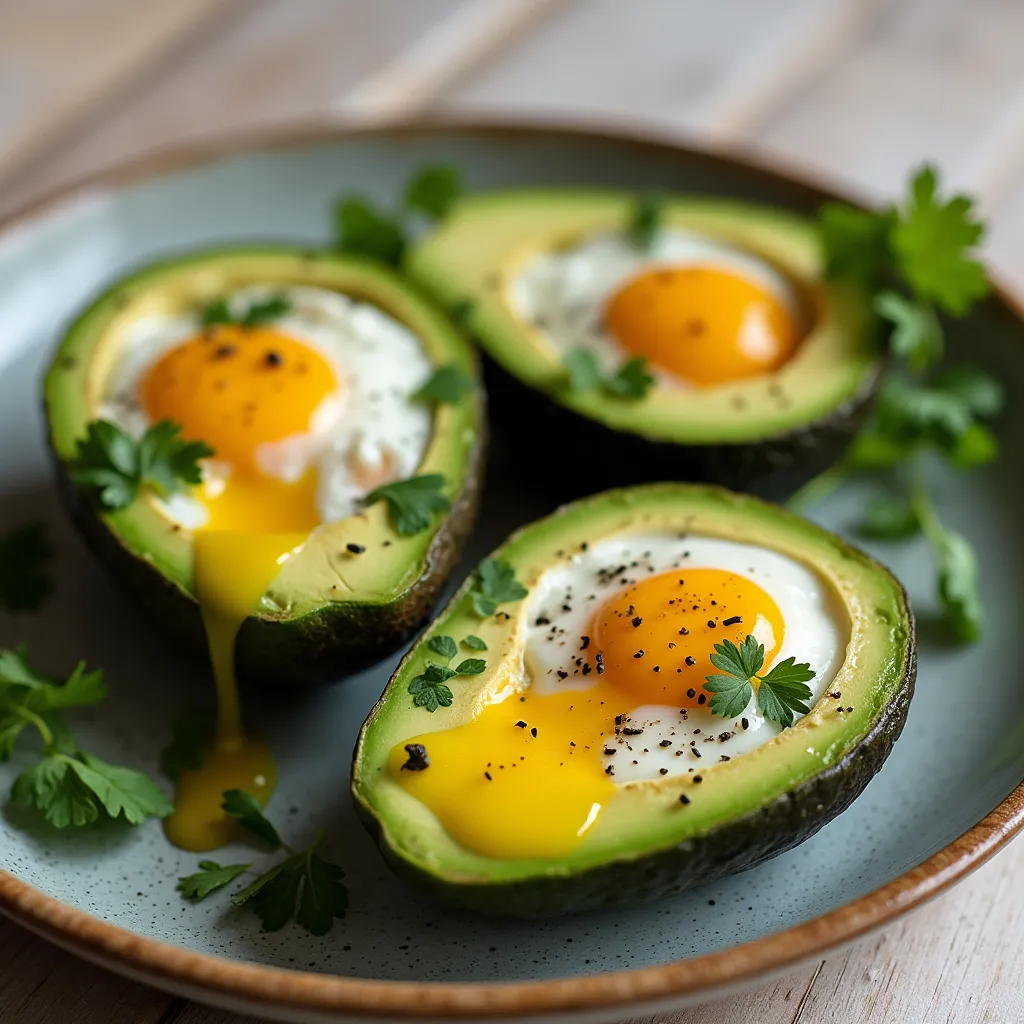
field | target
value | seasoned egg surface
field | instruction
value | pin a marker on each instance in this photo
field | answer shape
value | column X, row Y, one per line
column 307, row 412
column 701, row 312
column 617, row 642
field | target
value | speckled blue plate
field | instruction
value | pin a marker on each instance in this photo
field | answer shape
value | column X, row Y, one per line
column 947, row 797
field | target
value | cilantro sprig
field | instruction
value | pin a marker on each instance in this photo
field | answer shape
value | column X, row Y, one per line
column 25, row 580
column 496, row 584
column 412, row 503
column 303, row 886
column 430, row 688
column 66, row 785
column 645, row 218
column 781, row 693
column 363, row 229
column 219, row 311
column 583, row 372
column 918, row 261
column 115, row 466
column 447, row 385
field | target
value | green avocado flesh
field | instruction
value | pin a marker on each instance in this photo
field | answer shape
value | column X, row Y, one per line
column 647, row 843
column 327, row 613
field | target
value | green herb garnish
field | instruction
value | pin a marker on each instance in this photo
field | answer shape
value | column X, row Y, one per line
column 303, row 886
column 496, row 584
column 645, row 218
column 363, row 229
column 474, row 642
column 780, row 692
column 918, row 261
column 218, row 311
column 25, row 580
column 191, row 735
column 68, row 786
column 630, row 380
column 447, row 386
column 412, row 502
column 430, row 689
column 115, row 466
column 210, row 877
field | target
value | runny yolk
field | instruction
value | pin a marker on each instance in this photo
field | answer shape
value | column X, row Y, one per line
column 238, row 389
column 704, row 324
column 233, row 571
column 525, row 777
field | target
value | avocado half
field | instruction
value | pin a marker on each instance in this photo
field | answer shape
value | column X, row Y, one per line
column 327, row 614
column 768, row 434
column 648, row 844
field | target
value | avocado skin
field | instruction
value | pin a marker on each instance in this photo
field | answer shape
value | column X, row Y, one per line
column 572, row 455
column 744, row 843
column 334, row 641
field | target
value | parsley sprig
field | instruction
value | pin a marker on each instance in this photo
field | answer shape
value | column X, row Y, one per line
column 496, row 584
column 413, row 502
column 645, row 218
column 447, row 385
column 303, row 885
column 219, row 311
column 25, row 580
column 68, row 786
column 630, row 381
column 115, row 467
column 191, row 735
column 781, row 693
column 430, row 689
column 918, row 261
column 363, row 229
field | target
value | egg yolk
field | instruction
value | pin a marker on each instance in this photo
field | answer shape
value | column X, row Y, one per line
column 704, row 324
column 525, row 777
column 238, row 389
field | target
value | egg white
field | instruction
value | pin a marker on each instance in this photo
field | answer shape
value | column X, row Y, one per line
column 562, row 605
column 371, row 423
column 563, row 294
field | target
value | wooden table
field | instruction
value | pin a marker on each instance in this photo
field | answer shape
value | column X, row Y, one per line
column 858, row 90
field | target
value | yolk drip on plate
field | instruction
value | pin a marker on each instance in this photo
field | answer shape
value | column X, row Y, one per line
column 525, row 777
column 239, row 390
column 705, row 324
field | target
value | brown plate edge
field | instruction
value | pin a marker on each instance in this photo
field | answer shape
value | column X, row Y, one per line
column 299, row 993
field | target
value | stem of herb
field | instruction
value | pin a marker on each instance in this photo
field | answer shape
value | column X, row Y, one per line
column 36, row 720
column 924, row 507
column 820, row 487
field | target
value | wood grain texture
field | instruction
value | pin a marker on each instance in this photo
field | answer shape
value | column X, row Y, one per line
column 857, row 88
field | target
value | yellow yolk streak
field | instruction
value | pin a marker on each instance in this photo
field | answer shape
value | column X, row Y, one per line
column 233, row 571
column 238, row 389
column 547, row 789
column 705, row 324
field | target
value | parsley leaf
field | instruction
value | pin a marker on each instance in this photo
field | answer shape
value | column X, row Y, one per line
column 191, row 735
column 496, row 584
column 23, row 687
column 115, row 466
column 430, row 689
column 780, row 692
column 583, row 373
column 304, row 886
column 932, row 243
column 889, row 519
column 433, row 190
column 474, row 642
column 958, row 585
column 645, row 218
column 917, row 334
column 25, row 581
column 447, row 385
column 210, row 877
column 365, row 231
column 443, row 645
column 248, row 811
column 855, row 242
column 218, row 311
column 412, row 502
column 471, row 667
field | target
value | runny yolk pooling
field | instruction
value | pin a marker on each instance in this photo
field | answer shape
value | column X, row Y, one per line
column 241, row 390
column 525, row 777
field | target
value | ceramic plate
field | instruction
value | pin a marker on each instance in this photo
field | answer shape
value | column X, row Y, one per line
column 944, row 801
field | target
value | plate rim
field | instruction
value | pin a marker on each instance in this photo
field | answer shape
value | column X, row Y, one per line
column 286, row 991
